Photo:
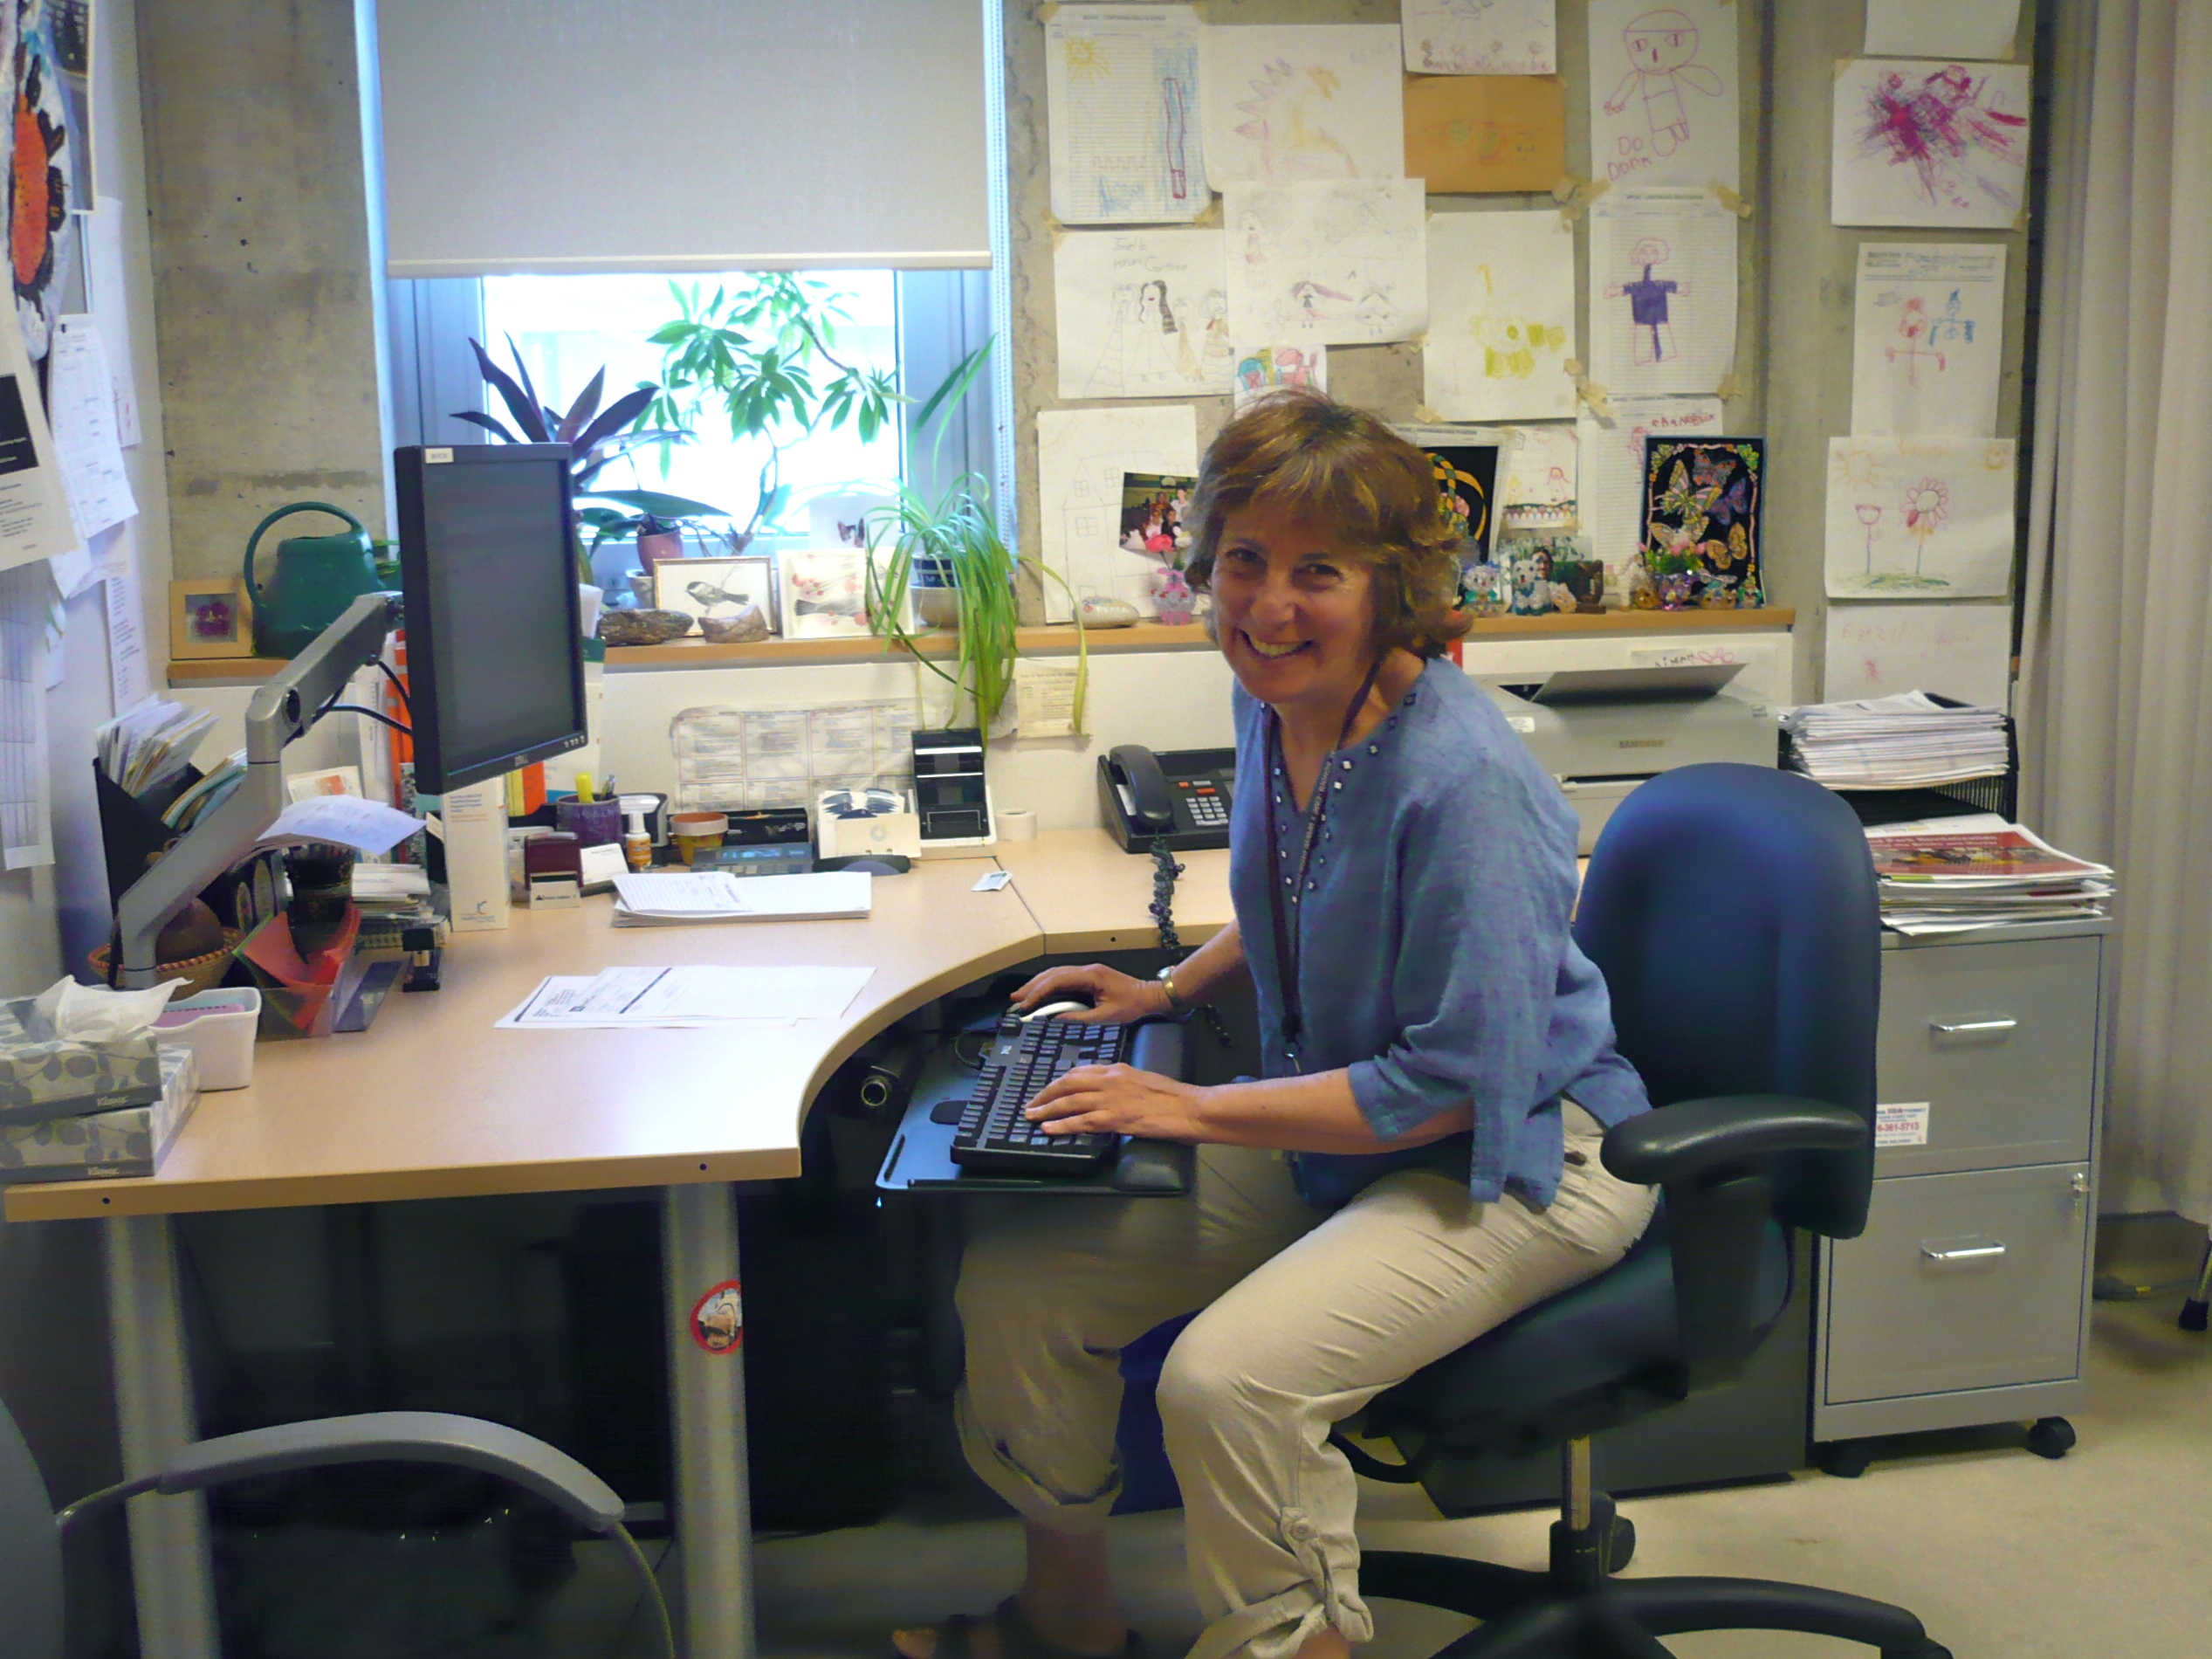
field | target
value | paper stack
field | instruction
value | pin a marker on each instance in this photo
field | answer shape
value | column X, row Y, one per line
column 657, row 900
column 1947, row 875
column 688, row 996
column 140, row 750
column 1909, row 741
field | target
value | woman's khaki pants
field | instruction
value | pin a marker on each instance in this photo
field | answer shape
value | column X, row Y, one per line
column 1306, row 1318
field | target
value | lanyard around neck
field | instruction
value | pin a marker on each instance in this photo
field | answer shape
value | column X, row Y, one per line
column 1289, row 933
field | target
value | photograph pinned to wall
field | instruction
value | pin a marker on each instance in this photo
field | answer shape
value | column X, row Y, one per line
column 1927, row 339
column 1303, row 101
column 1122, row 114
column 1271, row 369
column 1662, row 291
column 211, row 616
column 825, row 592
column 1608, row 492
column 1083, row 455
column 1929, row 143
column 721, row 590
column 1466, row 474
column 1702, row 506
column 1478, row 135
column 1142, row 313
column 1501, row 317
column 1328, row 263
column 40, row 169
column 1920, row 518
column 1663, row 93
column 1155, row 509
column 1952, row 29
column 1540, row 469
column 1960, row 652
column 1480, row 37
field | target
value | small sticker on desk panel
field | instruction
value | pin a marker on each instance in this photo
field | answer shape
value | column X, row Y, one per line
column 717, row 1318
column 1904, row 1124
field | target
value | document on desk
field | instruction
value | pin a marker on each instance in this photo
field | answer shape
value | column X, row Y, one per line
column 663, row 899
column 701, row 996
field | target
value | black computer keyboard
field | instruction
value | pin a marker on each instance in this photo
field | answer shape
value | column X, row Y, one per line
column 993, row 1137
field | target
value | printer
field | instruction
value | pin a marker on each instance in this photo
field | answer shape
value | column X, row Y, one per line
column 1603, row 731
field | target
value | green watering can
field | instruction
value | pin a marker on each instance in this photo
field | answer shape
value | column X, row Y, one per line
column 316, row 578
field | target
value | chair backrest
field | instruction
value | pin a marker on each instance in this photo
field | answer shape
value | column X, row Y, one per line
column 1733, row 913
column 31, row 1589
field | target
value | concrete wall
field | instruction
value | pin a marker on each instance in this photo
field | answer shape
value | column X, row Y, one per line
column 262, row 248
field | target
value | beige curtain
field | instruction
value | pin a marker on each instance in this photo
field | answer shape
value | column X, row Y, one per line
column 2116, row 681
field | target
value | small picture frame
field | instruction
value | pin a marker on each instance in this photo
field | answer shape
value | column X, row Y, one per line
column 692, row 585
column 209, row 617
column 825, row 592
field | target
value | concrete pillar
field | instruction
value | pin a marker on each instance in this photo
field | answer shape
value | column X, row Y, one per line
column 266, row 290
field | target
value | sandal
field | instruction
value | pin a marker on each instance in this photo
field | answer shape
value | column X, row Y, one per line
column 1017, row 1638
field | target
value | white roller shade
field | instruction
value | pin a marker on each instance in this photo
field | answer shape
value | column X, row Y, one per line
column 552, row 135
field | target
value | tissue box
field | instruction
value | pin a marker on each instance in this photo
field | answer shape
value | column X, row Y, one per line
column 44, row 1076
column 131, row 1141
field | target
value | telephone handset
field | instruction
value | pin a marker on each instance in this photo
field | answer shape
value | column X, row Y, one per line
column 1181, row 796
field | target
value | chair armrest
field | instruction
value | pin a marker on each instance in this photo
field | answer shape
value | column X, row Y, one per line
column 402, row 1436
column 1686, row 1139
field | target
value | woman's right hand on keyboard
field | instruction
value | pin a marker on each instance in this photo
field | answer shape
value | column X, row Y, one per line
column 1115, row 997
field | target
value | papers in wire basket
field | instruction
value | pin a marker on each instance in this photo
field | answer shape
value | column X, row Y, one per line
column 656, row 899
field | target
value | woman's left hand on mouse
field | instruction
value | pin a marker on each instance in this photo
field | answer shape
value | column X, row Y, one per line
column 1118, row 1099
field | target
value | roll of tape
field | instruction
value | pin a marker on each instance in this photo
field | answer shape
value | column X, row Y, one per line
column 1017, row 825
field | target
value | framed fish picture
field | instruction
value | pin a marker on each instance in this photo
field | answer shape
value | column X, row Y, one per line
column 1702, row 505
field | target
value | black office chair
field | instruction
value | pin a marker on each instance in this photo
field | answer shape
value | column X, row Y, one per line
column 30, row 1583
column 1732, row 911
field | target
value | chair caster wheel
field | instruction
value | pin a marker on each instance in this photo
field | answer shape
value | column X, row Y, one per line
column 1620, row 1549
column 1846, row 1459
column 2051, row 1437
column 2193, row 1313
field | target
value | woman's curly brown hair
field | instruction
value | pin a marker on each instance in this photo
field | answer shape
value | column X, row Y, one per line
column 1303, row 453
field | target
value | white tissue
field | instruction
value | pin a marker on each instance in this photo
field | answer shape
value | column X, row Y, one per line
column 94, row 1014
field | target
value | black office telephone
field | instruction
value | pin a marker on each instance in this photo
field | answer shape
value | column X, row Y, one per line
column 1178, row 796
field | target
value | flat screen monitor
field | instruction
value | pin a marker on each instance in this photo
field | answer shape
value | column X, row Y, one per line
column 494, row 622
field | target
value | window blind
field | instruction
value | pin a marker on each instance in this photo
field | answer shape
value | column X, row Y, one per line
column 560, row 135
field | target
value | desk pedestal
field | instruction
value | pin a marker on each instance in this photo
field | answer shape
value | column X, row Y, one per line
column 713, row 1517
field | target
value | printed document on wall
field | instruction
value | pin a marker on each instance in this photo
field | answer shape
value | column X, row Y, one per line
column 1960, row 652
column 1920, row 518
column 1663, row 87
column 1927, row 339
column 1303, row 101
column 1501, row 317
column 1662, row 291
column 1142, row 313
column 1122, row 114
column 34, row 513
column 1930, row 143
column 1342, row 264
column 26, row 816
column 1480, row 37
column 1610, row 497
column 88, row 452
column 1081, row 454
column 1941, row 28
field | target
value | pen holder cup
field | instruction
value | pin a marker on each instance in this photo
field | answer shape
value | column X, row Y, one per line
column 594, row 823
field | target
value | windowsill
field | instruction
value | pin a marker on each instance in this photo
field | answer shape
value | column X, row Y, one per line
column 697, row 653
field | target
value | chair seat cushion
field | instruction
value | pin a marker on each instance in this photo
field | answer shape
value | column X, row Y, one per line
column 1601, row 1352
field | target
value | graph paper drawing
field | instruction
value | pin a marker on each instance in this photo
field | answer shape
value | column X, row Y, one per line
column 1122, row 114
column 1920, row 518
column 1930, row 143
column 1328, row 264
column 1927, row 337
column 1142, row 313
column 1501, row 317
column 1480, row 37
column 1609, row 492
column 1662, row 291
column 1303, row 101
column 26, row 818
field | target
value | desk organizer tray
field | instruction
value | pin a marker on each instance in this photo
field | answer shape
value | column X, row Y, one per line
column 44, row 1076
column 920, row 1159
column 105, row 1144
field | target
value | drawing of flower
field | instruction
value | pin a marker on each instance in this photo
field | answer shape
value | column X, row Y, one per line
column 1927, row 503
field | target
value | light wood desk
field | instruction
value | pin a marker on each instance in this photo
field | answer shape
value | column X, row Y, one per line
column 432, row 1102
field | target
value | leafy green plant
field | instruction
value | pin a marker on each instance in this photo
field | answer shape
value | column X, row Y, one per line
column 767, row 354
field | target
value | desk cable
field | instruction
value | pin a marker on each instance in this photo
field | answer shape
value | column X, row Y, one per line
column 1165, row 868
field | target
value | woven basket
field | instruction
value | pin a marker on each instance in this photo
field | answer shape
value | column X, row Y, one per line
column 198, row 973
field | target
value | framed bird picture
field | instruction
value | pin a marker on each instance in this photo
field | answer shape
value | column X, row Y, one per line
column 1702, row 505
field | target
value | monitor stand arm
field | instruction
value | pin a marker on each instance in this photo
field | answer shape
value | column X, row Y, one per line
column 281, row 711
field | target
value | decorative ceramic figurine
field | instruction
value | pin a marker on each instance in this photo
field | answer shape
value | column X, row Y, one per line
column 1643, row 592
column 1482, row 589
column 1172, row 593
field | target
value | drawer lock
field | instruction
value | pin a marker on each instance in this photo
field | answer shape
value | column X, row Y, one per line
column 1950, row 1253
column 1972, row 1028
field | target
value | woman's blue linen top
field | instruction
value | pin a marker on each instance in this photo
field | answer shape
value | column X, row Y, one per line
column 1438, row 966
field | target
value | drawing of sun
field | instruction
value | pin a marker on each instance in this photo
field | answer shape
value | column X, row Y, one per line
column 1998, row 457
column 1085, row 62
column 1855, row 467
column 1927, row 503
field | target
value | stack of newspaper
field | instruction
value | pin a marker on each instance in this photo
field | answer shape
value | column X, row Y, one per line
column 1947, row 875
column 1911, row 740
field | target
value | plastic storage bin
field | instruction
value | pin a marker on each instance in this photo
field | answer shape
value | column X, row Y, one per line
column 219, row 1028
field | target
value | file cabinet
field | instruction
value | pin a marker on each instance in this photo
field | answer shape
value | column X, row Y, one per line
column 1966, row 1299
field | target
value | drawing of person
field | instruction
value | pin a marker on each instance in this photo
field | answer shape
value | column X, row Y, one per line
column 1155, row 359
column 1308, row 296
column 1218, row 348
column 1113, row 356
column 1256, row 243
column 1647, row 296
column 1950, row 324
column 1661, row 47
column 1914, row 323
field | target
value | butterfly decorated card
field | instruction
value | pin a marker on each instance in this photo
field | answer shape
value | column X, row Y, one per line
column 1701, row 507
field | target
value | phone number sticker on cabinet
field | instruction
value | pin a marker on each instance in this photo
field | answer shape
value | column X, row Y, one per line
column 1904, row 1124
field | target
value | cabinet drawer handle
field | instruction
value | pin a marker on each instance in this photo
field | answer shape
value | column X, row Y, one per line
column 1963, row 1253
column 1964, row 1028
